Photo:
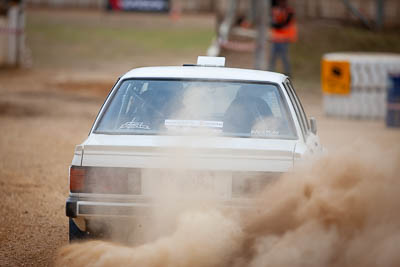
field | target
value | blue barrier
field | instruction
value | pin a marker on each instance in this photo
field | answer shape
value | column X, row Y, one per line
column 393, row 101
column 139, row 5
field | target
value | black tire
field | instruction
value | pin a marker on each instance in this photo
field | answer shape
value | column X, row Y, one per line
column 75, row 234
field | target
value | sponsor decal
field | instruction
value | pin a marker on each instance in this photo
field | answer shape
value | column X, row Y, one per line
column 140, row 5
column 135, row 125
column 193, row 123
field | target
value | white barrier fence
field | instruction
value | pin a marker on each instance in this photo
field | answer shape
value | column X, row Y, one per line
column 355, row 84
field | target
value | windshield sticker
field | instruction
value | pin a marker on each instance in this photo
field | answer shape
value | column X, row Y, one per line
column 135, row 125
column 194, row 124
column 262, row 133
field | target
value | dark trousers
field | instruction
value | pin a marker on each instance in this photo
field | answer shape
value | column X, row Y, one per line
column 279, row 51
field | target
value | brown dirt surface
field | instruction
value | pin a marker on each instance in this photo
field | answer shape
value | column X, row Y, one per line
column 45, row 113
column 41, row 123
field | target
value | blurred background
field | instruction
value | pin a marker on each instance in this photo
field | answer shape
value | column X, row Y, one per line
column 60, row 58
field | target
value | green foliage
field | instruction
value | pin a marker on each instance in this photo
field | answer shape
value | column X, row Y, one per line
column 98, row 40
column 66, row 43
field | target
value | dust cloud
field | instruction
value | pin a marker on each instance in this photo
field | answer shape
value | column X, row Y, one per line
column 340, row 209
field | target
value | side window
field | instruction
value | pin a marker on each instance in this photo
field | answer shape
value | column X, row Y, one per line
column 300, row 106
column 272, row 99
column 296, row 107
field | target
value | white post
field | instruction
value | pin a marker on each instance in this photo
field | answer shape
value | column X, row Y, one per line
column 226, row 25
column 3, row 40
column 21, row 37
column 262, row 15
column 224, row 29
column 16, row 35
column 12, row 35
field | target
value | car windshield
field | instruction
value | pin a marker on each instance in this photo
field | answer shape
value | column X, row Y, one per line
column 193, row 107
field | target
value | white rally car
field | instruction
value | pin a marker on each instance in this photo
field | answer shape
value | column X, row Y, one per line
column 231, row 131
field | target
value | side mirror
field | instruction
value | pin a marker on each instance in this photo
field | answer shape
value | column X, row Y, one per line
column 313, row 125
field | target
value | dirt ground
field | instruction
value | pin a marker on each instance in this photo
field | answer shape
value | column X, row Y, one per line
column 45, row 113
column 41, row 123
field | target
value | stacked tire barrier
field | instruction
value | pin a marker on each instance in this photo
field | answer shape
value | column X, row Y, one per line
column 355, row 85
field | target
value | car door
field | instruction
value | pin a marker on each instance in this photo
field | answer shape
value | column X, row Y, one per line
column 310, row 139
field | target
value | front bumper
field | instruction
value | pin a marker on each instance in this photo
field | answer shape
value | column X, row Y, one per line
column 92, row 207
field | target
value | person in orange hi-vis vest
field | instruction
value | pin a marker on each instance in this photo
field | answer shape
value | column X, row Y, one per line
column 283, row 32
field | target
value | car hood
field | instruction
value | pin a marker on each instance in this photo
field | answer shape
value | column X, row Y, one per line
column 187, row 152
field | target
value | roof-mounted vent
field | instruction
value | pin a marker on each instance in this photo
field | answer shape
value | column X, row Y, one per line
column 211, row 61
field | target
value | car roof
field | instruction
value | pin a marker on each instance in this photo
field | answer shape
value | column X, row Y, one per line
column 200, row 72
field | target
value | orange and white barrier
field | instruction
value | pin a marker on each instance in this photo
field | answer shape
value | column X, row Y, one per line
column 354, row 84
